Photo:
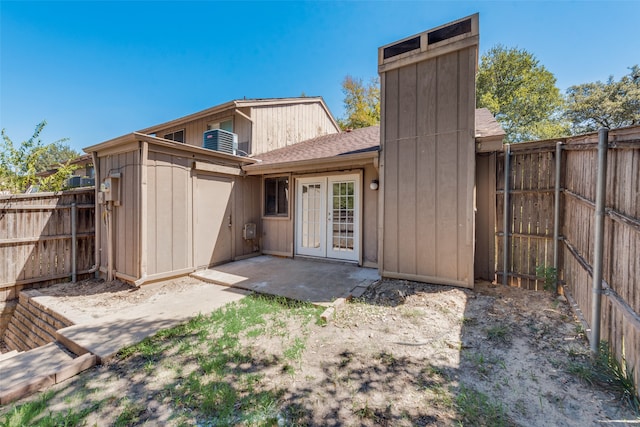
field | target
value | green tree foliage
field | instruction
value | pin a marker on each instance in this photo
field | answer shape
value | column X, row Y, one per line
column 612, row 104
column 521, row 93
column 20, row 163
column 361, row 103
column 55, row 154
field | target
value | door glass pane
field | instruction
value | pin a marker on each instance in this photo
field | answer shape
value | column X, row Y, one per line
column 311, row 215
column 343, row 214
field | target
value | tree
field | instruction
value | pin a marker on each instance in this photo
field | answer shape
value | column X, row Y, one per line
column 20, row 164
column 55, row 154
column 521, row 94
column 612, row 104
column 361, row 103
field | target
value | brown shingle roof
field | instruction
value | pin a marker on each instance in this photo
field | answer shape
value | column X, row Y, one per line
column 487, row 125
column 322, row 147
column 357, row 141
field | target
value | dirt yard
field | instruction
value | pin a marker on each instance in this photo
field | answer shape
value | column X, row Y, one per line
column 403, row 354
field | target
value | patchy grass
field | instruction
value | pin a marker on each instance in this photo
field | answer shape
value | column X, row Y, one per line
column 219, row 377
column 477, row 409
column 606, row 371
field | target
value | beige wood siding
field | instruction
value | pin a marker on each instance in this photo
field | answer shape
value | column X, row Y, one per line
column 169, row 242
column 428, row 166
column 484, row 264
column 195, row 129
column 277, row 236
column 369, row 218
column 247, row 209
column 125, row 216
column 282, row 125
column 212, row 222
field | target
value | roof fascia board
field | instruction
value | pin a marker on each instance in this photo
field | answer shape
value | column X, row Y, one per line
column 356, row 159
column 152, row 140
column 427, row 50
column 195, row 116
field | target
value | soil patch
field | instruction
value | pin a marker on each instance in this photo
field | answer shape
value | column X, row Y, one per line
column 403, row 354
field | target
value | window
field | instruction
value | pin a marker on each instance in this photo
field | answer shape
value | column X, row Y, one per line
column 276, row 196
column 224, row 125
column 177, row 136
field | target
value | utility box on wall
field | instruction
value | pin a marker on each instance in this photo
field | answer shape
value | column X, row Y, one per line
column 111, row 188
column 427, row 164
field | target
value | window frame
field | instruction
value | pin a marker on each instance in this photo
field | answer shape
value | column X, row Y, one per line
column 210, row 125
column 171, row 135
column 277, row 214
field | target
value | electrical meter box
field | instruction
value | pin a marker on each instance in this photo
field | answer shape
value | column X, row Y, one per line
column 111, row 188
column 249, row 231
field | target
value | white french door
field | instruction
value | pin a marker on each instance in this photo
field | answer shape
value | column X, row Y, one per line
column 328, row 217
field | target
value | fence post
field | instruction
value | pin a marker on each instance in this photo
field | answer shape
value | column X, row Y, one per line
column 556, row 213
column 603, row 145
column 505, row 241
column 74, row 242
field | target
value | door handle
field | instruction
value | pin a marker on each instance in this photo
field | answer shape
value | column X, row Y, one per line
column 229, row 220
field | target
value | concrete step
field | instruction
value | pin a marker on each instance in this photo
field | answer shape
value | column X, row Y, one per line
column 8, row 355
column 27, row 372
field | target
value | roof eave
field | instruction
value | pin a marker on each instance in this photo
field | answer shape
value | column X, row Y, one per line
column 333, row 162
column 136, row 136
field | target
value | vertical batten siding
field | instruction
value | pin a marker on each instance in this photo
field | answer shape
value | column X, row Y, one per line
column 429, row 157
column 196, row 128
column 283, row 125
column 169, row 215
column 125, row 223
column 277, row 236
column 369, row 218
column 247, row 210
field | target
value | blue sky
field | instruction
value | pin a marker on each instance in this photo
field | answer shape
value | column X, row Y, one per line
column 97, row 70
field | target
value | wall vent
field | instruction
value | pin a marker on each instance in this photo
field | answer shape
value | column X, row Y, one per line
column 450, row 31
column 402, row 47
column 220, row 140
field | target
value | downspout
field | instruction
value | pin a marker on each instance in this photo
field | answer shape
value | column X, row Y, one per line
column 556, row 214
column 603, row 140
column 98, row 223
column 505, row 218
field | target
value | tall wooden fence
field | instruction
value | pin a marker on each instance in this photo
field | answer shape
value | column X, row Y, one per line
column 36, row 241
column 530, row 228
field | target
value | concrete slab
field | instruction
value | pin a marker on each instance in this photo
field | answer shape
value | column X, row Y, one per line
column 31, row 364
column 105, row 336
column 318, row 282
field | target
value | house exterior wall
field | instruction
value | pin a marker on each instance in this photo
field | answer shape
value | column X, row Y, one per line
column 278, row 235
column 196, row 128
column 246, row 209
column 369, row 218
column 156, row 224
column 125, row 216
column 277, row 232
column 169, row 213
column 428, row 160
column 278, row 126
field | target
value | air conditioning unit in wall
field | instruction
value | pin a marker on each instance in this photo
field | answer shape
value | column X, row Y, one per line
column 220, row 140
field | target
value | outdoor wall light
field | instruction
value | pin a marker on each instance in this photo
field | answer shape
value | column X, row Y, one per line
column 374, row 184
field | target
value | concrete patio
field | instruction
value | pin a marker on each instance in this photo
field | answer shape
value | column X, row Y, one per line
column 317, row 281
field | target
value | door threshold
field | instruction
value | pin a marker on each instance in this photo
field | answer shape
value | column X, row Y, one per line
column 326, row 260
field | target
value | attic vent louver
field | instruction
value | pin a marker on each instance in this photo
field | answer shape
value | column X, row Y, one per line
column 220, row 140
column 402, row 47
column 449, row 31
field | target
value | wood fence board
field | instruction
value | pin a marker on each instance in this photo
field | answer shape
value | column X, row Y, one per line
column 37, row 216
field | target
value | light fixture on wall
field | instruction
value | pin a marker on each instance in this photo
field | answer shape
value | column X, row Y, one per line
column 374, row 184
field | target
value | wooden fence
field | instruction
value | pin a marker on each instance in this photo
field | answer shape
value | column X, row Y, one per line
column 36, row 241
column 530, row 228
